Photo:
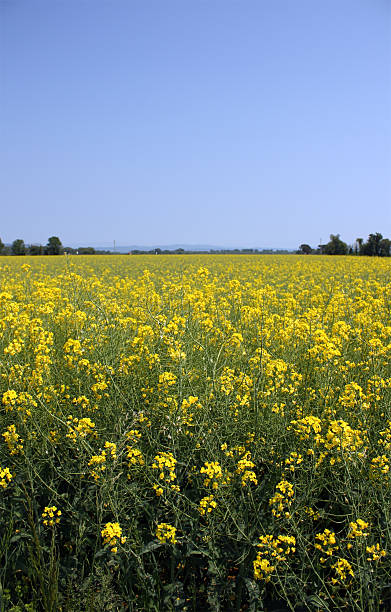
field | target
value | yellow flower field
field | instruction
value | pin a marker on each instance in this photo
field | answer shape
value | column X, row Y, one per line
column 195, row 432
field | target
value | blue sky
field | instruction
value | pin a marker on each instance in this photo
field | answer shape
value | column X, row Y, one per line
column 237, row 123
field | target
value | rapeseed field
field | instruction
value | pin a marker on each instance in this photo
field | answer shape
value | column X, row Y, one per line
column 195, row 433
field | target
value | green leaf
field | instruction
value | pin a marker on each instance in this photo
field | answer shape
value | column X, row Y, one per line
column 318, row 601
column 151, row 546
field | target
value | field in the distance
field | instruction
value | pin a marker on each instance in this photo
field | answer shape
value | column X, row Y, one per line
column 195, row 433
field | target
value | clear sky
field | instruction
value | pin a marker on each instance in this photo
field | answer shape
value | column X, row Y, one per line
column 238, row 123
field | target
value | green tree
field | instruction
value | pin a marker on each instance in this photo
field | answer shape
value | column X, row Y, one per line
column 385, row 247
column 54, row 246
column 305, row 249
column 372, row 246
column 1, row 246
column 86, row 251
column 335, row 246
column 18, row 247
column 36, row 249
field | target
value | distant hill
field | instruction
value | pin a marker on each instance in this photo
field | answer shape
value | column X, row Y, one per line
column 170, row 247
column 163, row 247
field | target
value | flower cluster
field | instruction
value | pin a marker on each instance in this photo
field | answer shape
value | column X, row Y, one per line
column 51, row 516
column 244, row 468
column 80, row 428
column 112, row 536
column 213, row 472
column 326, row 543
column 343, row 570
column 97, row 463
column 357, row 529
column 272, row 552
column 376, row 552
column 207, row 504
column 13, row 440
column 380, row 468
column 282, row 499
column 5, row 477
column 165, row 463
column 166, row 533
column 135, row 456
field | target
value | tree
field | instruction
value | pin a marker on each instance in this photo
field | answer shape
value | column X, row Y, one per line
column 336, row 246
column 54, row 246
column 305, row 249
column 18, row 247
column 372, row 246
column 36, row 249
column 385, row 247
column 86, row 251
column 1, row 246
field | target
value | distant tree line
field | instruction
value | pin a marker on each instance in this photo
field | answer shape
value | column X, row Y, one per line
column 375, row 246
column 53, row 247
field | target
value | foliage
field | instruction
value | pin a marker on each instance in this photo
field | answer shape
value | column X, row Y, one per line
column 86, row 251
column 18, row 247
column 376, row 245
column 305, row 249
column 36, row 249
column 192, row 432
column 335, row 246
column 54, row 246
